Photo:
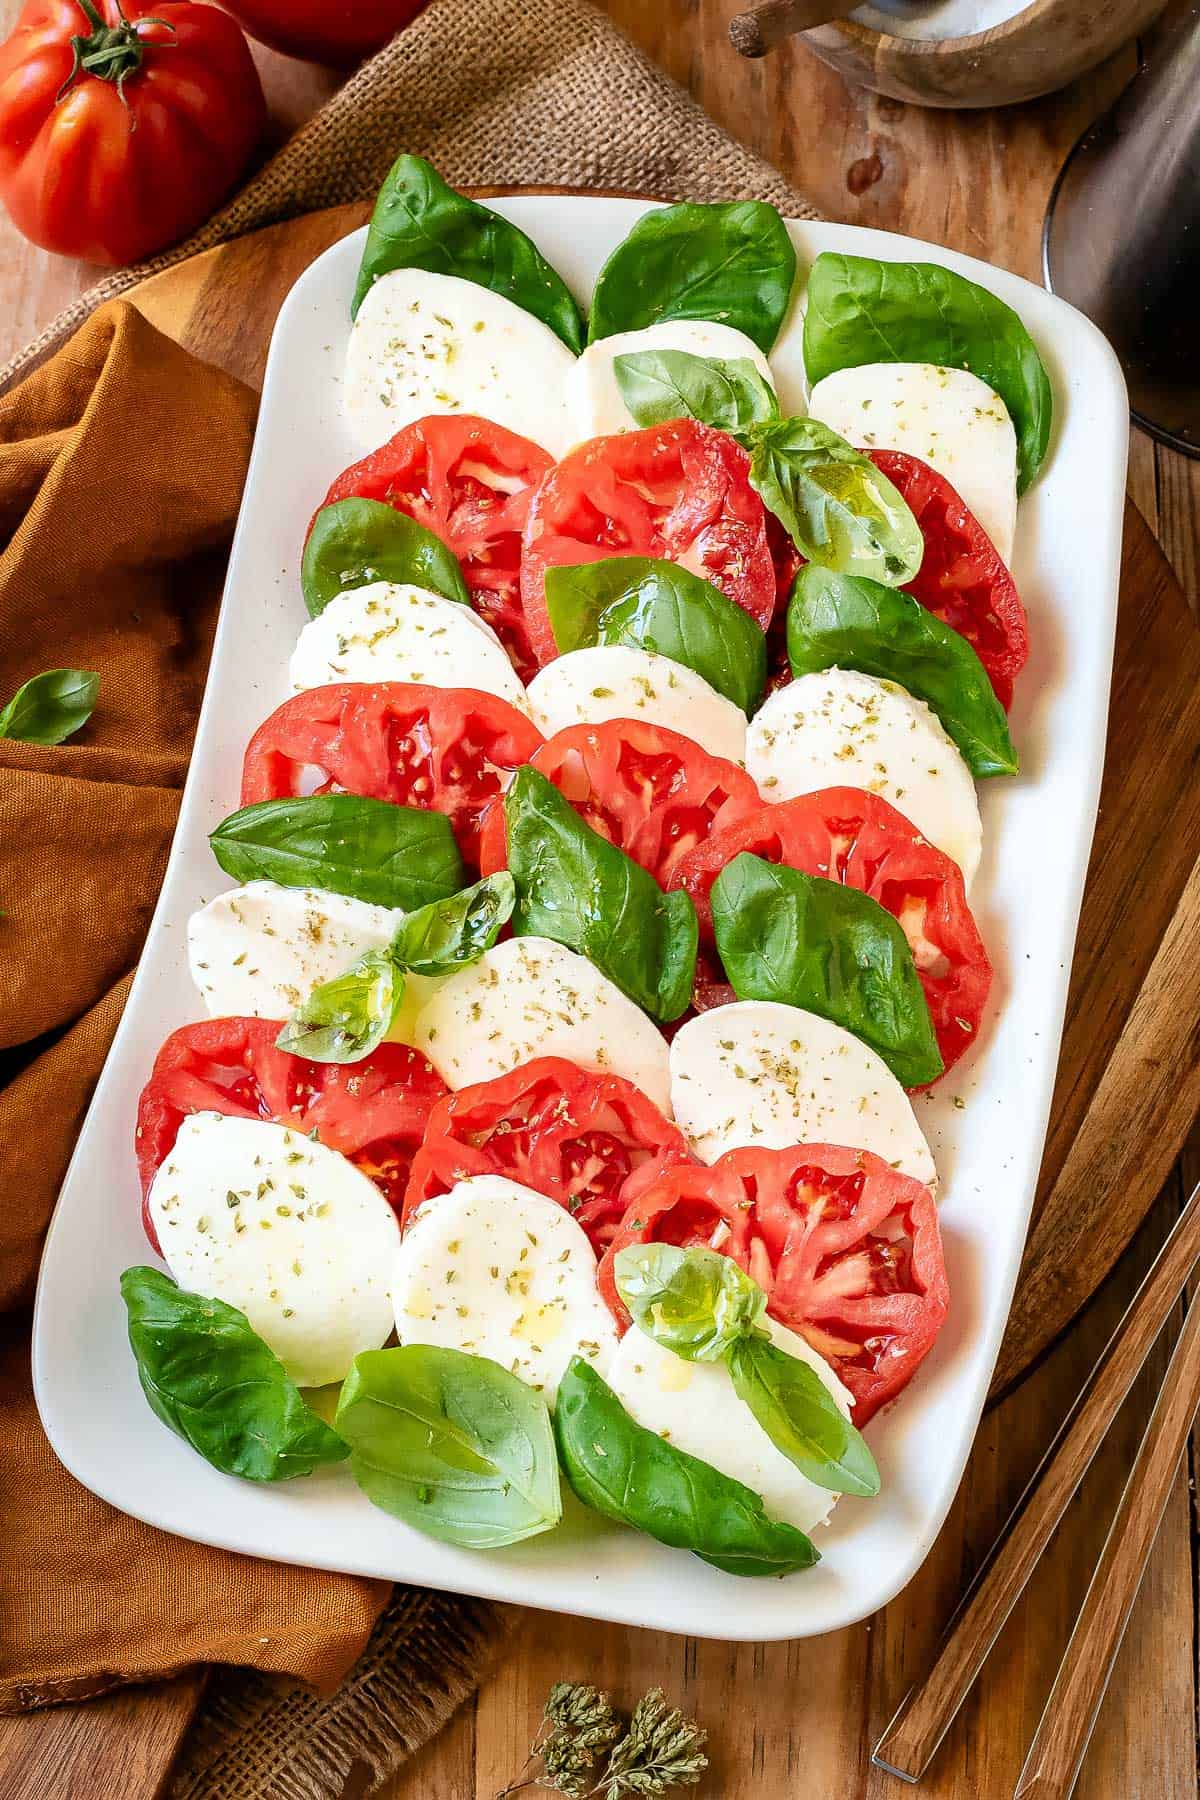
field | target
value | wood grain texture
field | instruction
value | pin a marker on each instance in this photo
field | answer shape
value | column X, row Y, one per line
column 120, row 1745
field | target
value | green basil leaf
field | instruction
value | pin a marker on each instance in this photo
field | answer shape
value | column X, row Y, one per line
column 660, row 385
column 457, row 930
column 829, row 949
column 575, row 887
column 838, row 508
column 653, row 605
column 419, row 222
column 452, row 1444
column 209, row 1376
column 50, row 707
column 693, row 1302
column 343, row 1020
column 861, row 310
column 354, row 542
column 845, row 622
column 632, row 1475
column 731, row 262
column 402, row 856
column 801, row 1417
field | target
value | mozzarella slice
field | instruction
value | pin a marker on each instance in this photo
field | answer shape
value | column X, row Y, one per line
column 498, row 1270
column 767, row 1075
column 948, row 417
column 839, row 728
column 425, row 343
column 272, row 1222
column 694, row 1407
column 595, row 405
column 585, row 687
column 529, row 997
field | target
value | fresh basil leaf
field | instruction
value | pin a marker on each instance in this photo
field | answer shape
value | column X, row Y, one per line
column 801, row 1417
column 632, row 1475
column 829, row 949
column 838, row 508
column 50, row 707
column 660, row 385
column 401, row 856
column 354, row 542
column 861, row 310
column 419, row 222
column 693, row 1302
column 343, row 1020
column 650, row 604
column 731, row 262
column 575, row 887
column 452, row 1444
column 457, row 930
column 210, row 1377
column 846, row 622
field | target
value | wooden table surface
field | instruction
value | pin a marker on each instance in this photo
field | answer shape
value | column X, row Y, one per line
column 800, row 1718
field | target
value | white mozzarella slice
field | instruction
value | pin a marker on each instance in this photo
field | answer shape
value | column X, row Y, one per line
column 767, row 1075
column 840, row 728
column 596, row 407
column 530, row 997
column 291, row 1233
column 694, row 1407
column 948, row 417
column 393, row 631
column 586, row 687
column 497, row 1270
column 425, row 343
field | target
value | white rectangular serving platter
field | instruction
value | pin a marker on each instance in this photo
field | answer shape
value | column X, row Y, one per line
column 1037, row 831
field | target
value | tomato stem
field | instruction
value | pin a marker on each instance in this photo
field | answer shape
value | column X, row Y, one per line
column 109, row 52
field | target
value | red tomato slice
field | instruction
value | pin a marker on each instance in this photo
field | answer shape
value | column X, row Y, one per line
column 848, row 1250
column 652, row 792
column 844, row 834
column 374, row 1111
column 470, row 482
column 680, row 491
column 446, row 749
column 591, row 1142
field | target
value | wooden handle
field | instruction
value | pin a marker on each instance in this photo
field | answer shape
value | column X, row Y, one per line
column 927, row 1711
column 758, row 30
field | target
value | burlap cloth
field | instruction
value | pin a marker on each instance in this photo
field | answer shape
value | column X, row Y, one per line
column 495, row 92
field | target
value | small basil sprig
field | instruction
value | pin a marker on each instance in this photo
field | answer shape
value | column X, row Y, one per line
column 576, row 887
column 50, row 707
column 212, row 1379
column 419, row 222
column 804, row 941
column 846, row 622
column 650, row 604
column 693, row 1302
column 354, row 542
column 452, row 1444
column 660, row 385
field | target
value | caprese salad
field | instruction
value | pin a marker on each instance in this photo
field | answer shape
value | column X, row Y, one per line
column 601, row 892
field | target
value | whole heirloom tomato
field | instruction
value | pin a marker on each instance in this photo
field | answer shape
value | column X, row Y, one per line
column 121, row 130
column 337, row 32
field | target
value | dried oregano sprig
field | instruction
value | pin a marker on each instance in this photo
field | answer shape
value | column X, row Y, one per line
column 661, row 1750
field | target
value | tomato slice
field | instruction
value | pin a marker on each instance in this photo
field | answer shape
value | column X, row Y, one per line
column 470, row 482
column 445, row 749
column 844, row 834
column 848, row 1250
column 591, row 1142
column 679, row 491
column 374, row 1111
column 652, row 792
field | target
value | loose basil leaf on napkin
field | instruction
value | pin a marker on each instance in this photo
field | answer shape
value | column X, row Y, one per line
column 838, row 508
column 354, row 542
column 419, row 222
column 576, row 887
column 50, row 707
column 660, row 385
column 210, row 1377
column 343, row 1020
column 803, row 941
column 801, row 1417
column 452, row 1444
column 401, row 856
column 846, row 622
column 861, row 310
column 693, row 1302
column 731, row 262
column 632, row 1475
column 445, row 935
column 650, row 604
